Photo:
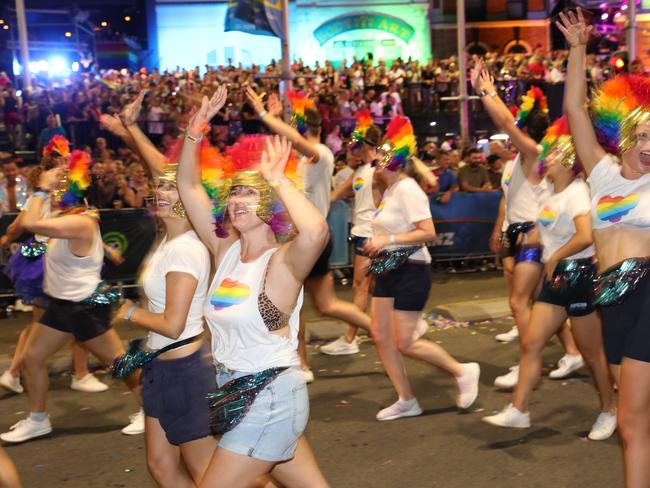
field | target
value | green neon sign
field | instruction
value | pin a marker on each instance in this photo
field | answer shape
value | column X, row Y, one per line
column 345, row 23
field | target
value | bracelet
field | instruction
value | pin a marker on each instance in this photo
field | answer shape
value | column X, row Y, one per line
column 193, row 139
column 262, row 114
column 129, row 314
column 391, row 240
column 42, row 194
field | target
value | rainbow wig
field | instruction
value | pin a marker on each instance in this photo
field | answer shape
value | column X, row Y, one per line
column 75, row 181
column 533, row 98
column 617, row 107
column 399, row 144
column 299, row 103
column 364, row 122
column 558, row 138
column 240, row 167
column 58, row 146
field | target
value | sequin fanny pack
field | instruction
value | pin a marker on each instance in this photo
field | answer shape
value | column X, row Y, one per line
column 33, row 249
column 511, row 235
column 104, row 294
column 232, row 401
column 389, row 260
column 568, row 273
column 137, row 356
column 614, row 285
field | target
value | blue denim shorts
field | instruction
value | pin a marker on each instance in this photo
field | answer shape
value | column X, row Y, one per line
column 276, row 420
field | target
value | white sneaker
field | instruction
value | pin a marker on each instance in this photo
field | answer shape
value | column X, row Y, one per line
column 421, row 328
column 509, row 380
column 509, row 417
column 401, row 408
column 604, row 427
column 20, row 306
column 27, row 429
column 307, row 375
column 137, row 424
column 468, row 385
column 340, row 347
column 567, row 365
column 88, row 384
column 509, row 336
column 11, row 382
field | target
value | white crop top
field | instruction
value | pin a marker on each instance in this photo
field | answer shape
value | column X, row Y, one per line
column 240, row 338
column 184, row 254
column 616, row 200
column 364, row 204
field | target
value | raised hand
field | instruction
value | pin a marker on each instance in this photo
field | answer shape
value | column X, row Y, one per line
column 254, row 100
column 112, row 123
column 206, row 111
column 475, row 74
column 274, row 158
column 130, row 113
column 575, row 29
column 486, row 82
column 274, row 105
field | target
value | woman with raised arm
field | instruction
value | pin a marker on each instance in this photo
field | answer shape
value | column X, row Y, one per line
column 565, row 230
column 401, row 227
column 620, row 204
column 176, row 383
column 79, row 303
column 523, row 192
column 261, row 407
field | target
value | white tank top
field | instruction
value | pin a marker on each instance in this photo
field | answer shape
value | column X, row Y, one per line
column 317, row 178
column 364, row 203
column 240, row 339
column 70, row 277
column 522, row 197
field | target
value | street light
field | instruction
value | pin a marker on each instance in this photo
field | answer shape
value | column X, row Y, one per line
column 104, row 23
column 127, row 18
column 68, row 34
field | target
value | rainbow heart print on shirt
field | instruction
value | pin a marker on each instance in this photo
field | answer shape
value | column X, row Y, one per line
column 613, row 209
column 229, row 293
column 547, row 216
column 507, row 179
column 358, row 183
column 380, row 208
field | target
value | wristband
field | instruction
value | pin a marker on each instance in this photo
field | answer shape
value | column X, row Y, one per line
column 262, row 114
column 193, row 139
column 42, row 194
column 129, row 314
column 391, row 240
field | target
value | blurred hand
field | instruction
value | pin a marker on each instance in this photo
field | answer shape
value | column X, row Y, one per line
column 254, row 100
column 575, row 29
column 130, row 113
column 112, row 123
column 275, row 157
column 274, row 105
column 375, row 244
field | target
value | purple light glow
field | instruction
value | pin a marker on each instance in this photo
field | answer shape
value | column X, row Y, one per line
column 624, row 6
column 605, row 16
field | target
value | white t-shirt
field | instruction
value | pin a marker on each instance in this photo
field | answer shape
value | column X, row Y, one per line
column 153, row 117
column 317, row 179
column 555, row 219
column 522, row 197
column 364, row 203
column 184, row 254
column 403, row 204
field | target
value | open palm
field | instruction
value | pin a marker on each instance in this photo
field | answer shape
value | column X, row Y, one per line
column 275, row 157
column 575, row 29
column 209, row 108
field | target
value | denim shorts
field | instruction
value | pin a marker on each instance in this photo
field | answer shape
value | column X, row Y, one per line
column 276, row 420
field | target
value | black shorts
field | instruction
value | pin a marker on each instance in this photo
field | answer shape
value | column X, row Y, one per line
column 574, row 298
column 626, row 326
column 322, row 265
column 175, row 391
column 358, row 243
column 409, row 285
column 83, row 320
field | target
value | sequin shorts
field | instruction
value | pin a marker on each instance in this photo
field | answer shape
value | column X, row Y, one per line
column 276, row 420
column 571, row 287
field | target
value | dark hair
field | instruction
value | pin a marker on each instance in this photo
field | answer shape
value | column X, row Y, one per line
column 313, row 121
column 473, row 150
column 492, row 158
column 536, row 124
column 373, row 136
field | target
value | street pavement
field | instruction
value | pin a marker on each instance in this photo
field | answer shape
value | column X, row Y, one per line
column 441, row 448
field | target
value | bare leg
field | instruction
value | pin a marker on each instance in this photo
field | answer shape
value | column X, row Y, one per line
column 8, row 475
column 230, row 470
column 322, row 291
column 567, row 339
column 164, row 459
column 14, row 369
column 197, row 454
column 381, row 311
column 545, row 319
column 79, row 361
column 634, row 421
column 361, row 284
column 524, row 282
column 302, row 471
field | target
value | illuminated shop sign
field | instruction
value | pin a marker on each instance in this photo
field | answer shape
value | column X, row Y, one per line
column 345, row 23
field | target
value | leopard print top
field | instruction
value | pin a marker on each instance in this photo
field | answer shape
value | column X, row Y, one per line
column 273, row 317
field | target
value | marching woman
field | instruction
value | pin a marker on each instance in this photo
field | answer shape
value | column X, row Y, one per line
column 523, row 192
column 78, row 302
column 176, row 383
column 261, row 406
column 401, row 227
column 565, row 229
column 620, row 205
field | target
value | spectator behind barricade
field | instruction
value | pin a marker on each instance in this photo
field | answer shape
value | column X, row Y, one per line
column 447, row 179
column 495, row 170
column 137, row 179
column 474, row 177
column 155, row 124
column 103, row 191
column 377, row 109
column 428, row 152
column 125, row 194
column 13, row 187
column 48, row 133
column 334, row 141
column 102, row 152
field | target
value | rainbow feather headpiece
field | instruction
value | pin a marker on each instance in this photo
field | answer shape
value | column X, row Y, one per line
column 617, row 107
column 364, row 122
column 75, row 181
column 399, row 144
column 240, row 167
column 558, row 138
column 58, row 146
column 299, row 103
column 533, row 97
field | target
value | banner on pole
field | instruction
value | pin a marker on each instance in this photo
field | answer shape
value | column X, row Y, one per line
column 260, row 17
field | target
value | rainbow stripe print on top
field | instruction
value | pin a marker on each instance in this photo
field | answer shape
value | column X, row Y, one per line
column 613, row 209
column 229, row 293
column 547, row 216
column 358, row 183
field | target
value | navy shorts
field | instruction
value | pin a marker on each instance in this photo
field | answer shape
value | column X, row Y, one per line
column 626, row 326
column 322, row 265
column 175, row 391
column 83, row 320
column 358, row 243
column 408, row 284
column 575, row 298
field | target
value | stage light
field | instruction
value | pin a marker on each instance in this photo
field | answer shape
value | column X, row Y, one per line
column 33, row 67
column 68, row 34
column 605, row 16
column 43, row 66
column 499, row 137
column 603, row 5
column 2, row 21
column 624, row 6
column 433, row 123
column 5, row 27
column 58, row 66
column 75, row 66
column 104, row 23
column 127, row 18
column 619, row 63
column 19, row 93
column 482, row 141
column 17, row 67
column 617, row 15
